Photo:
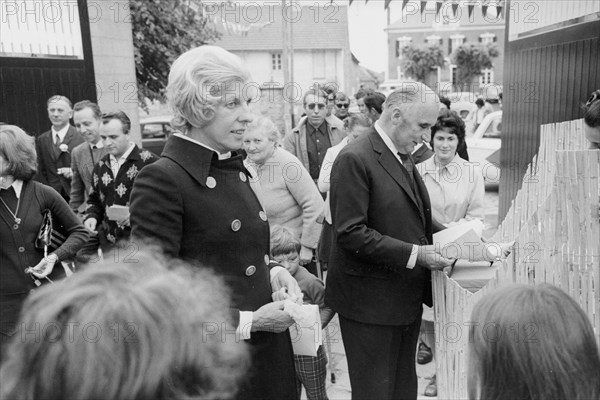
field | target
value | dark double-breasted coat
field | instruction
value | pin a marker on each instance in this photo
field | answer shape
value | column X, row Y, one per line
column 203, row 210
column 51, row 158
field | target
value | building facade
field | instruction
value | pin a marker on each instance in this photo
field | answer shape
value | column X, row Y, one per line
column 448, row 26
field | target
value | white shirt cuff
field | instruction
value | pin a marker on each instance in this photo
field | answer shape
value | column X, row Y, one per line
column 244, row 329
column 412, row 260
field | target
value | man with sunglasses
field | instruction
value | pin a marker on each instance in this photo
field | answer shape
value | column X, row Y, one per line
column 315, row 133
column 342, row 104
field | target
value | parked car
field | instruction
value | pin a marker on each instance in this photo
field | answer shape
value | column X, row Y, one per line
column 484, row 146
column 155, row 132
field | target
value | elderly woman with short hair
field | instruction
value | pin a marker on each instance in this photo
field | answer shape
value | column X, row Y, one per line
column 290, row 196
column 198, row 203
column 22, row 206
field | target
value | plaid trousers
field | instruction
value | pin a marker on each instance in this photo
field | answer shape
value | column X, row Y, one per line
column 312, row 373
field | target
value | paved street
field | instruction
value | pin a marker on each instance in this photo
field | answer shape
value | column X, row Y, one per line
column 340, row 390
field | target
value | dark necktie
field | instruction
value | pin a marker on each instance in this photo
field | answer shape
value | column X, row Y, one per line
column 56, row 139
column 9, row 197
column 409, row 166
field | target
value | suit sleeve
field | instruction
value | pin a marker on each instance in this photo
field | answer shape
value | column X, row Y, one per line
column 41, row 175
column 77, row 187
column 350, row 197
column 156, row 209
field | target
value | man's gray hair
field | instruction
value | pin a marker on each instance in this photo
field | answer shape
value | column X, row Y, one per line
column 409, row 93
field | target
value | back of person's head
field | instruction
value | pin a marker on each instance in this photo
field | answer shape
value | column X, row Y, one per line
column 479, row 102
column 451, row 122
column 358, row 119
column 283, row 241
column 18, row 150
column 532, row 342
column 374, row 101
column 362, row 92
column 132, row 330
column 592, row 110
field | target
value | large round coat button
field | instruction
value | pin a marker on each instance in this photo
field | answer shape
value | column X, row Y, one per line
column 250, row 270
column 263, row 215
column 236, row 225
column 21, row 249
column 211, row 182
column 243, row 176
column 16, row 226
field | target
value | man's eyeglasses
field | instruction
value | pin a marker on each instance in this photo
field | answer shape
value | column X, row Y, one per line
column 342, row 105
column 311, row 106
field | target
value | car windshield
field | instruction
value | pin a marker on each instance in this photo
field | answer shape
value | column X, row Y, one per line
column 494, row 129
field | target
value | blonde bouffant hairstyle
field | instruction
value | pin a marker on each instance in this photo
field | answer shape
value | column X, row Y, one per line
column 199, row 80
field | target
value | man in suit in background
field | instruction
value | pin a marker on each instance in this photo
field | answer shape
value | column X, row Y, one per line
column 54, row 147
column 87, row 118
column 379, row 270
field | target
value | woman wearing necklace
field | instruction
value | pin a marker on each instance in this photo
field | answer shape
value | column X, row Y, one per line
column 22, row 202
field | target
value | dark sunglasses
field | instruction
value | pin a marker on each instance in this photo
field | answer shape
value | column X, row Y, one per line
column 311, row 106
column 341, row 105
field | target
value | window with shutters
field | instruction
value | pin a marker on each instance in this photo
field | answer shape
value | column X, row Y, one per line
column 455, row 41
column 487, row 77
column 487, row 38
column 401, row 42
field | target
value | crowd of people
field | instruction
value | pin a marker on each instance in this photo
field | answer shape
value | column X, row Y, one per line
column 232, row 224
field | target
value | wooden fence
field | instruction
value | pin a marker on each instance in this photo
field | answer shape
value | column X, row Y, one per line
column 556, row 224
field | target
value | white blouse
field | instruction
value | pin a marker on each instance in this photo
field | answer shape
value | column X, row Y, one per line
column 456, row 190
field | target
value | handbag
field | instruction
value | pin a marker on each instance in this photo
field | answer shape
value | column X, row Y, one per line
column 49, row 237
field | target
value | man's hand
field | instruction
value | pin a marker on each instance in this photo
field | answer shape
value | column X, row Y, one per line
column 90, row 224
column 285, row 280
column 306, row 255
column 271, row 318
column 429, row 257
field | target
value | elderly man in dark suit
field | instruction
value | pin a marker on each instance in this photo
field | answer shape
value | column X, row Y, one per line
column 379, row 271
column 54, row 147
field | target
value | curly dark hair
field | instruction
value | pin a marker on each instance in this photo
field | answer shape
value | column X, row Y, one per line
column 453, row 122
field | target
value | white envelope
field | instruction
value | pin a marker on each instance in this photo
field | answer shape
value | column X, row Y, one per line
column 307, row 338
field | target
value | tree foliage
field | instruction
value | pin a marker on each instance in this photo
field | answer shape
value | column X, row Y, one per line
column 163, row 30
column 419, row 61
column 471, row 60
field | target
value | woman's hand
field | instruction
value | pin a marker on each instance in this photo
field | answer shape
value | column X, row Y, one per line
column 45, row 266
column 90, row 224
column 306, row 255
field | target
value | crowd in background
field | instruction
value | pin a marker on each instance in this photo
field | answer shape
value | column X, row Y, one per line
column 358, row 195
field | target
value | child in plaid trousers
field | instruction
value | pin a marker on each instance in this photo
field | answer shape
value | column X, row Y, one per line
column 310, row 371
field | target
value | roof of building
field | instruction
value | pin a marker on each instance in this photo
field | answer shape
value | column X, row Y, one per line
column 446, row 19
column 260, row 28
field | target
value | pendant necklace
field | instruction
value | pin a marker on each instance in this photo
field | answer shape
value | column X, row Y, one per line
column 14, row 215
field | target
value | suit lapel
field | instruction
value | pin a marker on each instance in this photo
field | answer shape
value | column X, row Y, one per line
column 390, row 163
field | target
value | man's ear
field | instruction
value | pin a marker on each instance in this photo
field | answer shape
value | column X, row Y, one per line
column 397, row 116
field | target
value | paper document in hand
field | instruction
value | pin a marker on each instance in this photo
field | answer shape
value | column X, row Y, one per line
column 307, row 336
column 117, row 213
column 462, row 242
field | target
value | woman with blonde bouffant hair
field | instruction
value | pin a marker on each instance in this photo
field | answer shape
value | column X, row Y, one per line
column 532, row 342
column 22, row 204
